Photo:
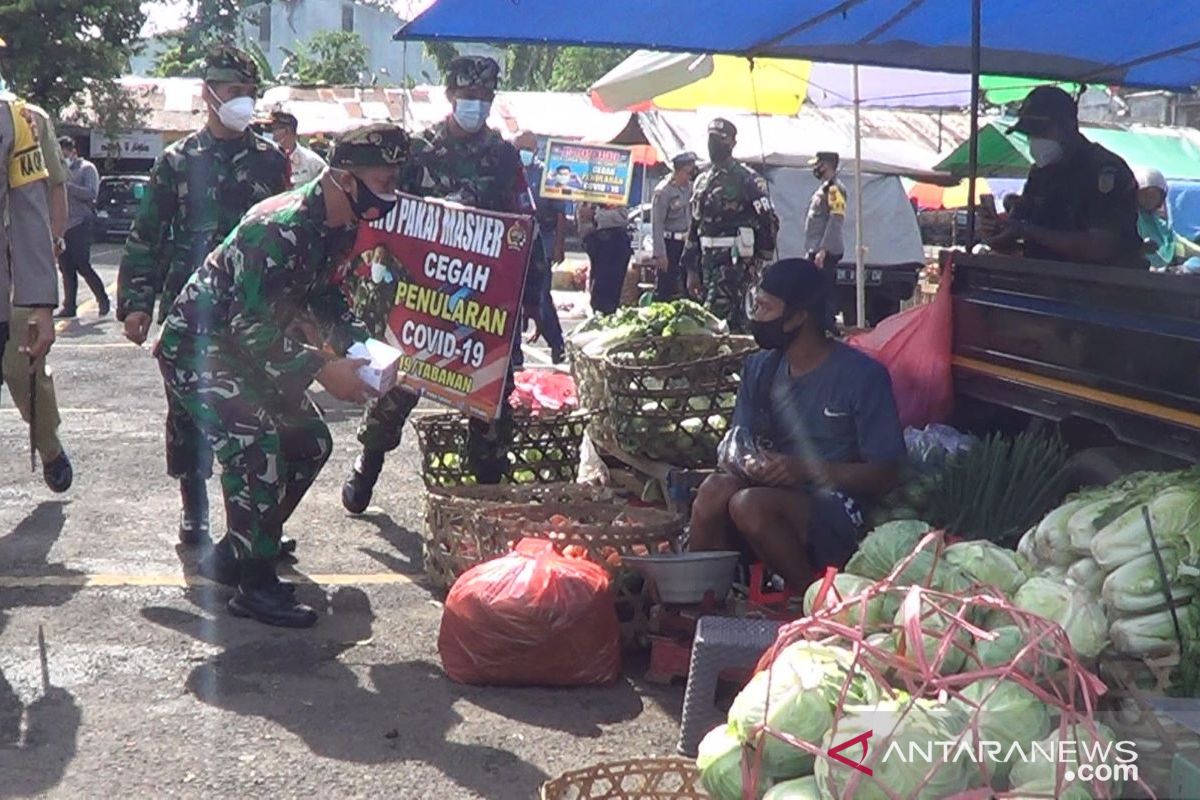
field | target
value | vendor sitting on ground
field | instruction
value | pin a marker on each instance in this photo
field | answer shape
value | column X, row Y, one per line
column 826, row 437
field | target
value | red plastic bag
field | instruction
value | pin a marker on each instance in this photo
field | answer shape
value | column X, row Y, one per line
column 539, row 390
column 914, row 345
column 531, row 618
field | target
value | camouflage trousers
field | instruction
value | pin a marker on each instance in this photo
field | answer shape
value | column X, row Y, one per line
column 726, row 284
column 487, row 444
column 270, row 452
column 188, row 452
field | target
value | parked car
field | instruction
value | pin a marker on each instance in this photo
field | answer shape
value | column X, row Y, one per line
column 640, row 234
column 117, row 205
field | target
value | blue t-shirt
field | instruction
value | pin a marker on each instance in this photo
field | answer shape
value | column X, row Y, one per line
column 841, row 412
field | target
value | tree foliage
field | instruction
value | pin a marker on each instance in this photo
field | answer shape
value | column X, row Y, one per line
column 557, row 69
column 331, row 57
column 58, row 49
column 211, row 22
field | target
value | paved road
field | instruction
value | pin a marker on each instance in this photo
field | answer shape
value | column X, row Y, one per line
column 150, row 690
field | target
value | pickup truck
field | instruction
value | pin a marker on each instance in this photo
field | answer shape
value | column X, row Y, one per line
column 1109, row 356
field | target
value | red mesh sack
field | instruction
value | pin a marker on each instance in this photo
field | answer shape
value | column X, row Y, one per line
column 914, row 345
column 531, row 618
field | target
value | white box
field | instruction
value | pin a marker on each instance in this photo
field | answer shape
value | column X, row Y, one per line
column 380, row 374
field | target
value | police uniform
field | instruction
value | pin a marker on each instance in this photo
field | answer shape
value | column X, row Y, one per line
column 826, row 219
column 727, row 198
column 478, row 169
column 1091, row 188
column 305, row 164
column 199, row 188
column 1086, row 188
column 229, row 362
column 670, row 215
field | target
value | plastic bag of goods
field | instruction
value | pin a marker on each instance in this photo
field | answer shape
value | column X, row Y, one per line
column 914, row 345
column 543, row 391
column 531, row 618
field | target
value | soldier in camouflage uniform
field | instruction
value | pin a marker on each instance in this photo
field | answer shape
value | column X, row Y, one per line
column 728, row 197
column 460, row 159
column 229, row 361
column 198, row 190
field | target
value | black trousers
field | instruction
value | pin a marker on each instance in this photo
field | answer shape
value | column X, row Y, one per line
column 608, row 252
column 829, row 268
column 76, row 261
column 3, row 343
column 668, row 284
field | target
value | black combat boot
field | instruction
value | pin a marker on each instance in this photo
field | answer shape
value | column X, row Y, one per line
column 263, row 597
column 356, row 491
column 193, row 523
column 220, row 565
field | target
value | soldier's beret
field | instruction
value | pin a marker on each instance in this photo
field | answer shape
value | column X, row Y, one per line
column 227, row 64
column 284, row 119
column 722, row 128
column 466, row 71
column 379, row 145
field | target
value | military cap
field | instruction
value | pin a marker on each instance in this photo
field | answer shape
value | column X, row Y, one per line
column 1042, row 107
column 686, row 157
column 466, row 71
column 282, row 119
column 723, row 129
column 379, row 145
column 227, row 64
column 824, row 155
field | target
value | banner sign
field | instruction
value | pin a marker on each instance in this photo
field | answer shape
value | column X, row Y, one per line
column 138, row 144
column 591, row 173
column 456, row 276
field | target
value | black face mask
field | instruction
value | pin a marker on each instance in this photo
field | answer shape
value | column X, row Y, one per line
column 719, row 151
column 818, row 174
column 770, row 334
column 367, row 205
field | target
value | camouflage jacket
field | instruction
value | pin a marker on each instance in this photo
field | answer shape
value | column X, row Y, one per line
column 726, row 197
column 198, row 191
column 482, row 171
column 278, row 265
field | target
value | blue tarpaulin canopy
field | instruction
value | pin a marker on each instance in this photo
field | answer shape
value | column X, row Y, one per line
column 1153, row 43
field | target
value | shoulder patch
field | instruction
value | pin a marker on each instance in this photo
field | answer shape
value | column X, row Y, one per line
column 837, row 200
column 1106, row 179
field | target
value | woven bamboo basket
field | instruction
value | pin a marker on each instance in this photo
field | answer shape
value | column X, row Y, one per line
column 672, row 398
column 545, row 448
column 451, row 540
column 634, row 779
column 605, row 531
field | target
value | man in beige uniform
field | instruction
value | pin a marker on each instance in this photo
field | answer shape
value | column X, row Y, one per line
column 56, row 466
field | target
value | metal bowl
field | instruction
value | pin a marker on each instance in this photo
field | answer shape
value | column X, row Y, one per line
column 684, row 578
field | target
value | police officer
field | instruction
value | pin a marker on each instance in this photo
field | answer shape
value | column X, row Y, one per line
column 1080, row 200
column 732, row 232
column 462, row 159
column 306, row 164
column 230, row 364
column 826, row 215
column 670, row 214
column 199, row 188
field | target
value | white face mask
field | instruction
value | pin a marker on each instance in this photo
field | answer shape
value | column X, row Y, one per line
column 235, row 114
column 1044, row 151
column 471, row 114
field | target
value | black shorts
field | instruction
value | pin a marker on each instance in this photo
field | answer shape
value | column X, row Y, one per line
column 834, row 530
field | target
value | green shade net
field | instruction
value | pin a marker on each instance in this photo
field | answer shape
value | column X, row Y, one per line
column 1001, row 90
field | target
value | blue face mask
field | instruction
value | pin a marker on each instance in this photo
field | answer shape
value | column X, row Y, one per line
column 471, row 114
column 527, row 157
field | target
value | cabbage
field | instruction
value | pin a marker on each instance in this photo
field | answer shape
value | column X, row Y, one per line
column 1037, row 774
column 933, row 632
column 1008, row 713
column 849, row 586
column 1136, row 587
column 1051, row 541
column 1025, row 547
column 1153, row 634
column 988, row 564
column 1054, row 572
column 796, row 695
column 919, row 731
column 1077, row 612
column 1081, row 526
column 796, row 789
column 1086, row 574
column 719, row 758
column 1175, row 515
column 885, row 547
